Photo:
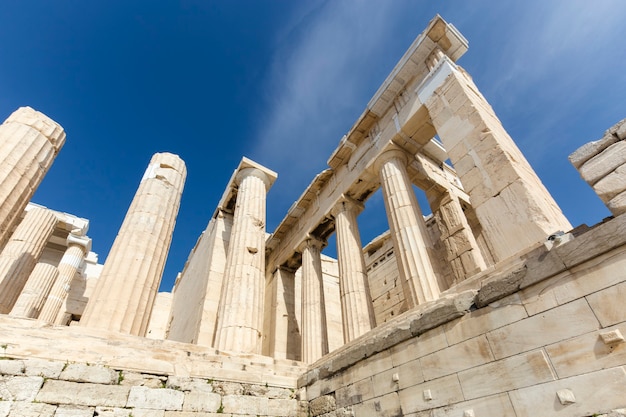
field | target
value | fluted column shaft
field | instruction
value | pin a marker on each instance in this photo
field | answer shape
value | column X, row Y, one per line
column 408, row 229
column 21, row 253
column 73, row 257
column 30, row 142
column 34, row 294
column 314, row 331
column 356, row 302
column 241, row 308
column 123, row 298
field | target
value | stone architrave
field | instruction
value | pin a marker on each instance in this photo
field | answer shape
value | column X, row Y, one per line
column 21, row 253
column 462, row 250
column 34, row 294
column 356, row 302
column 408, row 229
column 314, row 329
column 30, row 142
column 123, row 298
column 240, row 321
column 513, row 207
column 77, row 247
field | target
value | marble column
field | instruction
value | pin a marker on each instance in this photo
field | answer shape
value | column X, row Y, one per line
column 240, row 321
column 356, row 302
column 30, row 142
column 123, row 298
column 314, row 330
column 21, row 253
column 283, row 334
column 408, row 229
column 77, row 247
column 34, row 294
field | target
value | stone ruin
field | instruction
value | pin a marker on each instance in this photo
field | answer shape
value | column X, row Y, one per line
column 494, row 305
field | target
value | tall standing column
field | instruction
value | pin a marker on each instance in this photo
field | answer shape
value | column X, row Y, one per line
column 35, row 291
column 314, row 331
column 30, row 142
column 408, row 229
column 21, row 253
column 356, row 302
column 123, row 298
column 240, row 323
column 77, row 247
column 282, row 339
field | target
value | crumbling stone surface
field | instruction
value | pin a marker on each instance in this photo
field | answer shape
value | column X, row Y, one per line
column 322, row 405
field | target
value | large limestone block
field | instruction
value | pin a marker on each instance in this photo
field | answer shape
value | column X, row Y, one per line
column 386, row 406
column 507, row 374
column 564, row 322
column 593, row 393
column 612, row 184
column 604, row 163
column 75, row 393
column 78, row 372
column 244, row 404
column 617, row 204
column 135, row 412
column 20, row 388
column 417, row 347
column 608, row 304
column 202, row 401
column 74, row 411
column 497, row 405
column 28, row 409
column 158, row 399
column 468, row 354
column 354, row 393
column 44, row 368
column 431, row 394
column 11, row 367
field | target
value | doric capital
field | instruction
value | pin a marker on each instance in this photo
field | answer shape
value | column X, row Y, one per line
column 346, row 203
column 393, row 153
column 253, row 172
column 311, row 242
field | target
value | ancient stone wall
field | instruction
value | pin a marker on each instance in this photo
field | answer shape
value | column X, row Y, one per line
column 538, row 336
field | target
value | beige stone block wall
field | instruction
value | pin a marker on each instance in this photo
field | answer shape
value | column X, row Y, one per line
column 602, row 164
column 543, row 336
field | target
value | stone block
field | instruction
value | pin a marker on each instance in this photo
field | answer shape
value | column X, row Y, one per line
column 563, row 322
column 586, row 353
column 617, row 205
column 442, row 310
column 322, row 405
column 608, row 304
column 419, row 346
column 5, row 407
column 371, row 366
column 28, row 409
column 74, row 411
column 410, row 373
column 278, row 407
column 44, row 368
column 75, row 393
column 95, row 374
column 495, row 315
column 388, row 381
column 611, row 185
column 464, row 355
column 20, row 388
column 190, row 414
column 591, row 149
column 603, row 163
column 595, row 392
column 244, row 404
column 155, row 398
column 126, row 412
column 497, row 405
column 133, row 379
column 354, row 393
column 11, row 367
column 202, row 401
column 385, row 406
column 443, row 391
column 507, row 374
column 188, row 384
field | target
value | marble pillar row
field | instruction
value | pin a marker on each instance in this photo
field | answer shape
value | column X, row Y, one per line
column 21, row 253
column 30, row 142
column 124, row 295
column 77, row 247
column 356, row 302
column 34, row 294
column 240, row 321
column 408, row 229
column 314, row 330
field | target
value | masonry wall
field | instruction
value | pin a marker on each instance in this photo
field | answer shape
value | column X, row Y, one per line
column 539, row 336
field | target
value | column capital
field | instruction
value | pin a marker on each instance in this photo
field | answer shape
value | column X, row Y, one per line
column 388, row 155
column 346, row 203
column 311, row 241
column 247, row 167
column 78, row 240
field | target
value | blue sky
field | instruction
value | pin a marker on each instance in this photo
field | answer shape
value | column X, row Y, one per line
column 280, row 82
